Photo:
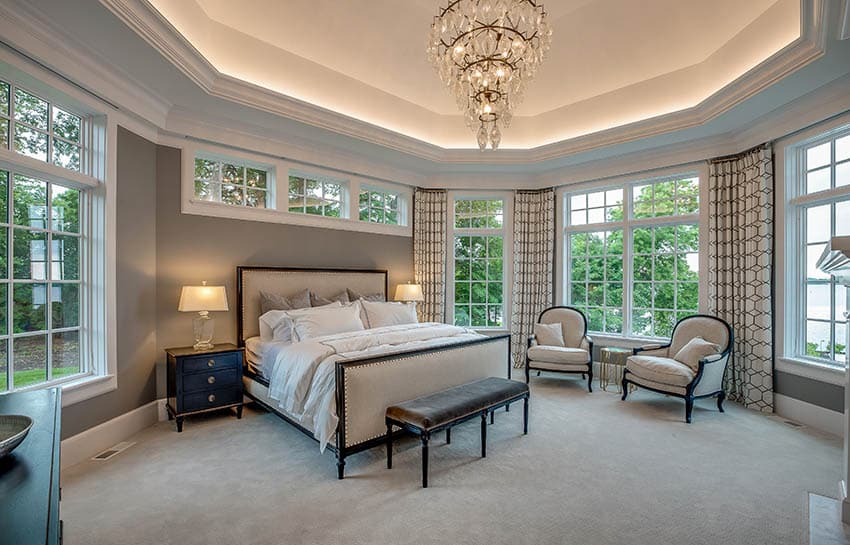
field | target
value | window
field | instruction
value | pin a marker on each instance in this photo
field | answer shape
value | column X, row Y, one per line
column 232, row 183
column 41, row 244
column 380, row 206
column 36, row 128
column 632, row 255
column 479, row 262
column 315, row 195
column 819, row 202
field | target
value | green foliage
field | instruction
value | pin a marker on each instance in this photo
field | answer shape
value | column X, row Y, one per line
column 478, row 288
column 813, row 351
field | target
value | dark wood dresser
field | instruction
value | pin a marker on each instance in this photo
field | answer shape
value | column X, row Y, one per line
column 201, row 381
column 29, row 476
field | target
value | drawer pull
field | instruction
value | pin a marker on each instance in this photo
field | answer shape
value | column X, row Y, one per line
column 211, row 398
column 210, row 380
column 211, row 363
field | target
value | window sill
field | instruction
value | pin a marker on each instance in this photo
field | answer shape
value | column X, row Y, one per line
column 813, row 370
column 619, row 341
column 87, row 387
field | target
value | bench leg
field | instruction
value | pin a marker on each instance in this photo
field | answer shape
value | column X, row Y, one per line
column 484, row 434
column 525, row 416
column 424, row 439
column 389, row 446
column 448, row 436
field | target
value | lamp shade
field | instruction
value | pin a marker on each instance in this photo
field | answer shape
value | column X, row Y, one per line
column 200, row 298
column 409, row 292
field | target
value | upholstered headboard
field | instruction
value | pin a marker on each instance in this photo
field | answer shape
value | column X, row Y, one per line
column 289, row 281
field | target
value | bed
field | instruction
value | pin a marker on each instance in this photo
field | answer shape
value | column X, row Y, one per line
column 360, row 384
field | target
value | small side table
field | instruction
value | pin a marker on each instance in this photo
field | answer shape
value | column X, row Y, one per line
column 611, row 366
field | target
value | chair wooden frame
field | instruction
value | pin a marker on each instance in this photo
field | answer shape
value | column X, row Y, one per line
column 588, row 371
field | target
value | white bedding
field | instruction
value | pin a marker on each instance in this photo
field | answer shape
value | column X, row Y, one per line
column 301, row 375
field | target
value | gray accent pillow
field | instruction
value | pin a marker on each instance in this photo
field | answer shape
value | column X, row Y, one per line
column 374, row 297
column 549, row 334
column 274, row 301
column 318, row 301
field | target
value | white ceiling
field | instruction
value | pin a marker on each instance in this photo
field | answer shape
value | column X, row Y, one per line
column 612, row 63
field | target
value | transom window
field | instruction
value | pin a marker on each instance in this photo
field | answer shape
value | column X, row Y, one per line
column 316, row 195
column 231, row 182
column 40, row 281
column 380, row 206
column 479, row 262
column 632, row 255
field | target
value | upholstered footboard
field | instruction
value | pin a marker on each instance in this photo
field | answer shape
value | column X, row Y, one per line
column 365, row 387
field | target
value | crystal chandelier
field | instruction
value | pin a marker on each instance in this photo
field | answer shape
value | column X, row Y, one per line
column 486, row 51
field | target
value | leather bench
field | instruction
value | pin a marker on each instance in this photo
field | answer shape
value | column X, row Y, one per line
column 430, row 414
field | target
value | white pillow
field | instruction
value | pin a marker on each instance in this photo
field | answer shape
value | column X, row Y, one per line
column 326, row 321
column 549, row 334
column 696, row 349
column 384, row 314
column 275, row 325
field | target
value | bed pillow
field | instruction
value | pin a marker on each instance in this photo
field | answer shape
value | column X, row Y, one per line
column 326, row 321
column 384, row 314
column 276, row 325
column 354, row 296
column 274, row 301
column 319, row 301
column 549, row 334
column 696, row 349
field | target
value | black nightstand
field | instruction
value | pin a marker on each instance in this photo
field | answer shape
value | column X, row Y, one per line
column 203, row 380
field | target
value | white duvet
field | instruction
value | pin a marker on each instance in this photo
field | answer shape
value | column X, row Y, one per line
column 302, row 374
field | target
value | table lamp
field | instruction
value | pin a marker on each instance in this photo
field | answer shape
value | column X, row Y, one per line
column 409, row 293
column 203, row 300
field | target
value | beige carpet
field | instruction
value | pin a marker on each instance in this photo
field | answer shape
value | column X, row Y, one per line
column 593, row 470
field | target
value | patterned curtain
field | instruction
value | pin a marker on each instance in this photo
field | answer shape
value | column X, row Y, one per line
column 429, row 251
column 740, row 259
column 534, row 255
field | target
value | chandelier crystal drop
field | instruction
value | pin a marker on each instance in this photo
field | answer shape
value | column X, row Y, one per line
column 486, row 52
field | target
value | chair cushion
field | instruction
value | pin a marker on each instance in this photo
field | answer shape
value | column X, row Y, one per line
column 558, row 354
column 549, row 334
column 661, row 370
column 696, row 349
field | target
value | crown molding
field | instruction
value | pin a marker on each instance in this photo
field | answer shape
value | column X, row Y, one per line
column 148, row 23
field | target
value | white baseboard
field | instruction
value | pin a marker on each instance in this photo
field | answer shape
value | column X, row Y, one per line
column 811, row 415
column 86, row 444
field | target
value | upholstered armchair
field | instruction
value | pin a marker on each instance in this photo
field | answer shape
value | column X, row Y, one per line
column 569, row 352
column 690, row 366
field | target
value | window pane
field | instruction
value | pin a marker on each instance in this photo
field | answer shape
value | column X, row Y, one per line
column 30, row 198
column 66, row 258
column 818, row 156
column 30, row 109
column 4, row 102
column 462, row 292
column 479, row 315
column 30, row 360
column 65, row 304
column 818, row 180
column 207, row 191
column 4, row 133
column 206, row 170
column 818, row 220
column 65, row 203
column 842, row 149
column 29, row 307
column 595, row 200
column 462, row 315
column 4, row 365
column 30, row 255
column 840, row 303
column 4, row 193
column 577, row 202
column 818, row 301
column 842, row 218
column 842, row 174
column 3, row 317
column 30, row 142
column 812, row 254
column 232, row 174
column 818, row 339
column 66, row 155
column 66, row 125
column 255, row 178
column 256, row 198
column 66, row 354
column 231, row 194
column 296, row 185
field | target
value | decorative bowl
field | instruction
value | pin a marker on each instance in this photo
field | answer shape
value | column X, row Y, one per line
column 13, row 429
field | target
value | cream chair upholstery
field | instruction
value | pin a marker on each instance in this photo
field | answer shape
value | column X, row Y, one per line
column 653, row 367
column 574, row 357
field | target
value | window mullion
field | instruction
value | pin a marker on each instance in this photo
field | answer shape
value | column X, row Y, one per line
column 48, row 295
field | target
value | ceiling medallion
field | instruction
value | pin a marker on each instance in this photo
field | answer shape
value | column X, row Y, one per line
column 486, row 51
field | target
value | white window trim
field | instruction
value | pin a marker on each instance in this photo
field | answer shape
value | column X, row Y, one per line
column 279, row 213
column 626, row 182
column 404, row 201
column 788, row 232
column 508, row 253
column 241, row 161
column 101, row 149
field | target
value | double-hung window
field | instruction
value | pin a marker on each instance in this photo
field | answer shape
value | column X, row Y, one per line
column 818, row 208
column 632, row 255
column 479, row 262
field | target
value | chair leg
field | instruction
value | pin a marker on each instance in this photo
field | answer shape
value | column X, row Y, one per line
column 721, row 397
column 527, row 373
column 525, row 416
column 689, row 408
column 625, row 384
column 589, row 379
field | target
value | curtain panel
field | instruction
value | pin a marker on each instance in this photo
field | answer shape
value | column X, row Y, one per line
column 740, row 256
column 430, row 209
column 533, row 264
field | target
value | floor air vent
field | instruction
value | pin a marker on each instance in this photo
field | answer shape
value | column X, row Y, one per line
column 112, row 451
column 793, row 424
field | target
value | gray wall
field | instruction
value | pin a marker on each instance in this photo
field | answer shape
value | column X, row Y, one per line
column 194, row 248
column 822, row 394
column 136, row 290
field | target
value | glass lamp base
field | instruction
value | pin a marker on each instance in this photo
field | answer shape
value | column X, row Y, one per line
column 203, row 327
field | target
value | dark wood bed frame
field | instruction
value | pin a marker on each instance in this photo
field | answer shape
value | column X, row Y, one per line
column 340, row 449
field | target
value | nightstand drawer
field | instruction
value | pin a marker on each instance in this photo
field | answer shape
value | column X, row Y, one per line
column 212, row 362
column 212, row 380
column 210, row 400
